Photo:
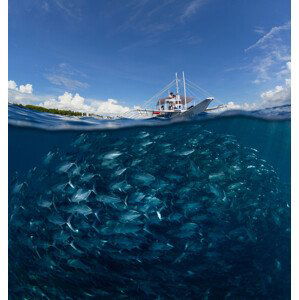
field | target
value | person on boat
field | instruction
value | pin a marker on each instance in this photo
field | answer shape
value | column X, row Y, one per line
column 171, row 95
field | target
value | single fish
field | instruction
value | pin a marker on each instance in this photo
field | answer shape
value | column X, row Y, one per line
column 136, row 197
column 186, row 152
column 119, row 171
column 77, row 264
column 87, row 177
column 109, row 200
column 56, row 219
column 147, row 143
column 130, row 216
column 18, row 187
column 217, row 177
column 112, row 155
column 143, row 135
column 81, row 209
column 157, row 246
column 65, row 167
column 68, row 223
column 81, row 195
column 122, row 186
column 42, row 202
column 48, row 158
column 144, row 179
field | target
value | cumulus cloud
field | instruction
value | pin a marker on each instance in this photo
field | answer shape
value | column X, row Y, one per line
column 111, row 106
column 75, row 102
column 23, row 89
column 278, row 96
column 67, row 101
column 12, row 85
column 23, row 94
column 26, row 89
column 243, row 106
column 285, row 71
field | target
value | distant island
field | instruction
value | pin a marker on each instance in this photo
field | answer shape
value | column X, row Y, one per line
column 61, row 112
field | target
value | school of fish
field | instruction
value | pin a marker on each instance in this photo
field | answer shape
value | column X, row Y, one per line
column 174, row 212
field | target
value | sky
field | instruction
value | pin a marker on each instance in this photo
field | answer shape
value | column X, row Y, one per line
column 109, row 56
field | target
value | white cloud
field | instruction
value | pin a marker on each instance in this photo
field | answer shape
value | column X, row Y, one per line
column 271, row 52
column 68, row 102
column 68, row 83
column 270, row 64
column 75, row 102
column 27, row 88
column 278, row 96
column 67, row 76
column 22, row 94
column 69, row 8
column 23, row 89
column 191, row 8
column 241, row 106
column 285, row 71
column 259, row 30
column 12, row 85
column 110, row 106
column 272, row 36
column 261, row 67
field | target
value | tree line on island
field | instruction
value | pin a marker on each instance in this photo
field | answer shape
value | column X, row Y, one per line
column 59, row 111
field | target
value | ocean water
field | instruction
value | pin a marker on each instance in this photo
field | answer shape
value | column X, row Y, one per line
column 110, row 209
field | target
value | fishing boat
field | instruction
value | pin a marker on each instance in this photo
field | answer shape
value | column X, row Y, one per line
column 176, row 104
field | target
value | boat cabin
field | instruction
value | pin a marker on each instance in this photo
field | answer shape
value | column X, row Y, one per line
column 173, row 103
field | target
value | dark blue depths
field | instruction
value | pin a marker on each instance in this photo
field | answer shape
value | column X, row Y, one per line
column 176, row 212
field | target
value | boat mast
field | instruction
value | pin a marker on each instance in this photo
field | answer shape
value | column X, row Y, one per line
column 177, row 83
column 185, row 96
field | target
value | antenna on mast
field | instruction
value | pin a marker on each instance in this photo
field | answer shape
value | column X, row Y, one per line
column 184, row 83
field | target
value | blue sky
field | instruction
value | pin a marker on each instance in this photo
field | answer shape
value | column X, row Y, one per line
column 239, row 50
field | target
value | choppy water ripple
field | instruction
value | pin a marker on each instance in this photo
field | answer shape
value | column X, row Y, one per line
column 154, row 213
column 19, row 116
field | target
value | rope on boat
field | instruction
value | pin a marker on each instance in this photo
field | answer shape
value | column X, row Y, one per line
column 198, row 88
column 160, row 92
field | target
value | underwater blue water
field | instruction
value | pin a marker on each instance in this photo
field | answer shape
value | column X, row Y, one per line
column 108, row 209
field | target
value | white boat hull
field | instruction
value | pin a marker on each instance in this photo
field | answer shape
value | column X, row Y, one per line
column 185, row 114
column 195, row 110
